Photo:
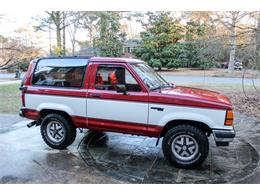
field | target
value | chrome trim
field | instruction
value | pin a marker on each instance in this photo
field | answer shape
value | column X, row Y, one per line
column 21, row 112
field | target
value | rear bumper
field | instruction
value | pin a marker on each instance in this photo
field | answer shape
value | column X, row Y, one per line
column 22, row 112
column 29, row 113
column 223, row 136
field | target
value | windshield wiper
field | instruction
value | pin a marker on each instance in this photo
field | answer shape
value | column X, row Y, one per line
column 170, row 85
column 155, row 88
column 163, row 86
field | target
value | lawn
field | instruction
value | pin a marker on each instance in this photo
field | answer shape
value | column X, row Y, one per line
column 10, row 98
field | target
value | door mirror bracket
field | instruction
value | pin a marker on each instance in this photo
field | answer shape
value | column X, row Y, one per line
column 121, row 89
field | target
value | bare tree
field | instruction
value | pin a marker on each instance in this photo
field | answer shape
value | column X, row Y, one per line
column 56, row 20
column 73, row 28
column 13, row 52
column 231, row 20
column 88, row 21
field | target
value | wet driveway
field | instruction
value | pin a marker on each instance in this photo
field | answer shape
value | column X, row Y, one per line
column 25, row 158
column 118, row 158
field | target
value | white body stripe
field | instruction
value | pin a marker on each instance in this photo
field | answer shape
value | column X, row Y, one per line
column 212, row 117
column 134, row 112
column 126, row 111
column 72, row 105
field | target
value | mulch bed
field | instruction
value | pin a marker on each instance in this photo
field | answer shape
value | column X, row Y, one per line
column 248, row 103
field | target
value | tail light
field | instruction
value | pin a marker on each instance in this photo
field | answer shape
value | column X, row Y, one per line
column 27, row 80
column 23, row 89
column 23, row 99
column 229, row 118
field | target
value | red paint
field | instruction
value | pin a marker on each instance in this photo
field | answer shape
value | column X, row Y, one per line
column 29, row 73
column 191, row 97
column 31, row 114
column 23, row 98
column 81, row 93
column 80, row 122
column 124, row 127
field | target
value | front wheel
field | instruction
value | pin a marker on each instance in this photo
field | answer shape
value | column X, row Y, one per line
column 57, row 131
column 185, row 146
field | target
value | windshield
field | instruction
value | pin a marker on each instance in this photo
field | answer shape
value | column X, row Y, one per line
column 152, row 79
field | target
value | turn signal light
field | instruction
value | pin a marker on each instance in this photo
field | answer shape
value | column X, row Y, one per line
column 229, row 118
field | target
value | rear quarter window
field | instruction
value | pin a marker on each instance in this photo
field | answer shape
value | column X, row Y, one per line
column 60, row 74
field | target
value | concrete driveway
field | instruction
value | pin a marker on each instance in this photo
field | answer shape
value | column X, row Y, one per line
column 116, row 158
column 24, row 158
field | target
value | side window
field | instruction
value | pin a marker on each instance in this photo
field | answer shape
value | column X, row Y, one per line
column 59, row 76
column 108, row 77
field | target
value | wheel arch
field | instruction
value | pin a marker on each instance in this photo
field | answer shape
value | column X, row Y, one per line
column 204, row 127
column 45, row 112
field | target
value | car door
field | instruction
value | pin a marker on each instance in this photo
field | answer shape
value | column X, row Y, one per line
column 110, row 110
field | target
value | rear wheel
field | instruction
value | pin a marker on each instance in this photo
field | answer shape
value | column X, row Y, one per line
column 57, row 131
column 185, row 146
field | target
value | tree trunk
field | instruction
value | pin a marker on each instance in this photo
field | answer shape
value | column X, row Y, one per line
column 73, row 48
column 233, row 46
column 50, row 39
column 58, row 39
column 258, row 42
column 74, row 39
column 64, row 35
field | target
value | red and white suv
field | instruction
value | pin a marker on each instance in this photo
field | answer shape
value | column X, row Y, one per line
column 126, row 96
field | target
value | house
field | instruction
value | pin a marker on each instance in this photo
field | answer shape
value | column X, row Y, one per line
column 129, row 45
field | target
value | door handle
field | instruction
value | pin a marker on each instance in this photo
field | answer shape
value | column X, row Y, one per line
column 96, row 95
column 157, row 108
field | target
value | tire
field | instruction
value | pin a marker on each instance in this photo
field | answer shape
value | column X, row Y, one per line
column 185, row 146
column 57, row 131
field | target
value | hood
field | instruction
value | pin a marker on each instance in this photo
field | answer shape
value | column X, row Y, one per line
column 196, row 97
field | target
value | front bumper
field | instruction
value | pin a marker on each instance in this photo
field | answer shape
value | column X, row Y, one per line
column 223, row 136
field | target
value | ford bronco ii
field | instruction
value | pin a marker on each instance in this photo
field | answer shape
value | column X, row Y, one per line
column 127, row 96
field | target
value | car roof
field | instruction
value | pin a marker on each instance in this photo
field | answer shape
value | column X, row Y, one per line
column 91, row 59
column 119, row 60
column 63, row 61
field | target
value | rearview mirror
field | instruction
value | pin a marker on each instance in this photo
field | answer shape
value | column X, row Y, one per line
column 121, row 89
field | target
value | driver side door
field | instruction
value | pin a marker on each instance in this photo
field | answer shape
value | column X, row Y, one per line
column 110, row 110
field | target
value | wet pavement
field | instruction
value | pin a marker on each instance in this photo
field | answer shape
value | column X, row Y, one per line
column 119, row 158
column 25, row 158
column 7, row 121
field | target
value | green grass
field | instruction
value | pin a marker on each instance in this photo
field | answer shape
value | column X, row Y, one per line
column 10, row 98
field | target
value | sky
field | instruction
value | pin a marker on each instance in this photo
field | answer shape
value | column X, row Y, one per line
column 13, row 21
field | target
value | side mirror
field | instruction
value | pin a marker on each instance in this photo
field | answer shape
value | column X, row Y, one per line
column 121, row 89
